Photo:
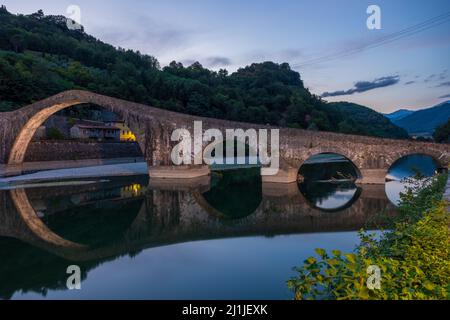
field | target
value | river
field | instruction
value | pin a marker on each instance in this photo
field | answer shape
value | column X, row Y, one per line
column 227, row 237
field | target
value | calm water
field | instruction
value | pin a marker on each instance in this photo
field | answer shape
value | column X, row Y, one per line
column 408, row 167
column 228, row 237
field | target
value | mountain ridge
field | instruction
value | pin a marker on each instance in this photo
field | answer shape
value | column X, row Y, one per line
column 424, row 122
column 399, row 114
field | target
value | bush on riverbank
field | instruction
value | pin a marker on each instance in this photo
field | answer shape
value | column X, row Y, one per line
column 413, row 256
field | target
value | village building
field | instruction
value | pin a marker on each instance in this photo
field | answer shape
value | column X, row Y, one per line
column 125, row 133
column 97, row 132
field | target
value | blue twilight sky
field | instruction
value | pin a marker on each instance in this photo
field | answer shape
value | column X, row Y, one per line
column 413, row 72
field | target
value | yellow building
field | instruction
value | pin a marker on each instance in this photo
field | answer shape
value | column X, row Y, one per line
column 125, row 132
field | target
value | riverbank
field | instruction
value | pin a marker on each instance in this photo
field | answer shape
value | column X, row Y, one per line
column 30, row 167
column 111, row 170
column 447, row 190
column 409, row 261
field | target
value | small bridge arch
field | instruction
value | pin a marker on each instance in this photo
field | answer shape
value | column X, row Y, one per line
column 350, row 157
column 437, row 156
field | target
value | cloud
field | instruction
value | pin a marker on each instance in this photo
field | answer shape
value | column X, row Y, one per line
column 290, row 54
column 430, row 78
column 443, row 75
column 147, row 35
column 363, row 86
column 438, row 77
column 444, row 84
column 445, row 96
column 209, row 62
column 188, row 62
column 409, row 82
column 217, row 62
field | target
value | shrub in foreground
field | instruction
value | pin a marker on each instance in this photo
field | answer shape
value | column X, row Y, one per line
column 413, row 256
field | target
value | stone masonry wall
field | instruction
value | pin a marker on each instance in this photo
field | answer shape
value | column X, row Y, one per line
column 75, row 150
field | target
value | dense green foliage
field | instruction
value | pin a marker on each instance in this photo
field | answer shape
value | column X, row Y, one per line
column 54, row 134
column 413, row 256
column 40, row 56
column 442, row 133
column 353, row 119
column 235, row 194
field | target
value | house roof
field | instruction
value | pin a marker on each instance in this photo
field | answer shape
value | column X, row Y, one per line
column 84, row 126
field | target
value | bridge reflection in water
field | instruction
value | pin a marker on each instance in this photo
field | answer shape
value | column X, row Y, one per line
column 89, row 224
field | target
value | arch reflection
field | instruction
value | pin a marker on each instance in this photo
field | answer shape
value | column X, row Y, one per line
column 328, row 182
column 330, row 197
column 235, row 194
column 93, row 215
column 413, row 165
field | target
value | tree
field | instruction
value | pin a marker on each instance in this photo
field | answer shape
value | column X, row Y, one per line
column 442, row 133
column 54, row 134
column 38, row 14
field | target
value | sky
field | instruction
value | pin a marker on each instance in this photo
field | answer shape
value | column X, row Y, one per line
column 325, row 41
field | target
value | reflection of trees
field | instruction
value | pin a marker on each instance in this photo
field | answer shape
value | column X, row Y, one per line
column 316, row 192
column 235, row 193
column 33, row 270
column 95, row 224
column 90, row 214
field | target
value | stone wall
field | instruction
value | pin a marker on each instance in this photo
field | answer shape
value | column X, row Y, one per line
column 76, row 150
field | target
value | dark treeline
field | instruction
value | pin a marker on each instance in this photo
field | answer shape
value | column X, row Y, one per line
column 40, row 56
column 442, row 133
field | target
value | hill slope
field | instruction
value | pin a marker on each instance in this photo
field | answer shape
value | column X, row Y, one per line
column 40, row 57
column 424, row 122
column 399, row 114
column 363, row 119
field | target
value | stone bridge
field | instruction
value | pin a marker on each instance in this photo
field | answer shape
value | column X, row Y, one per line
column 153, row 128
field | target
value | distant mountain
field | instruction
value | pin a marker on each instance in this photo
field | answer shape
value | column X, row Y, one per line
column 424, row 122
column 399, row 114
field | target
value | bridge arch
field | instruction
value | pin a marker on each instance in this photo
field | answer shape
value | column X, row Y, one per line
column 23, row 139
column 354, row 161
column 439, row 157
